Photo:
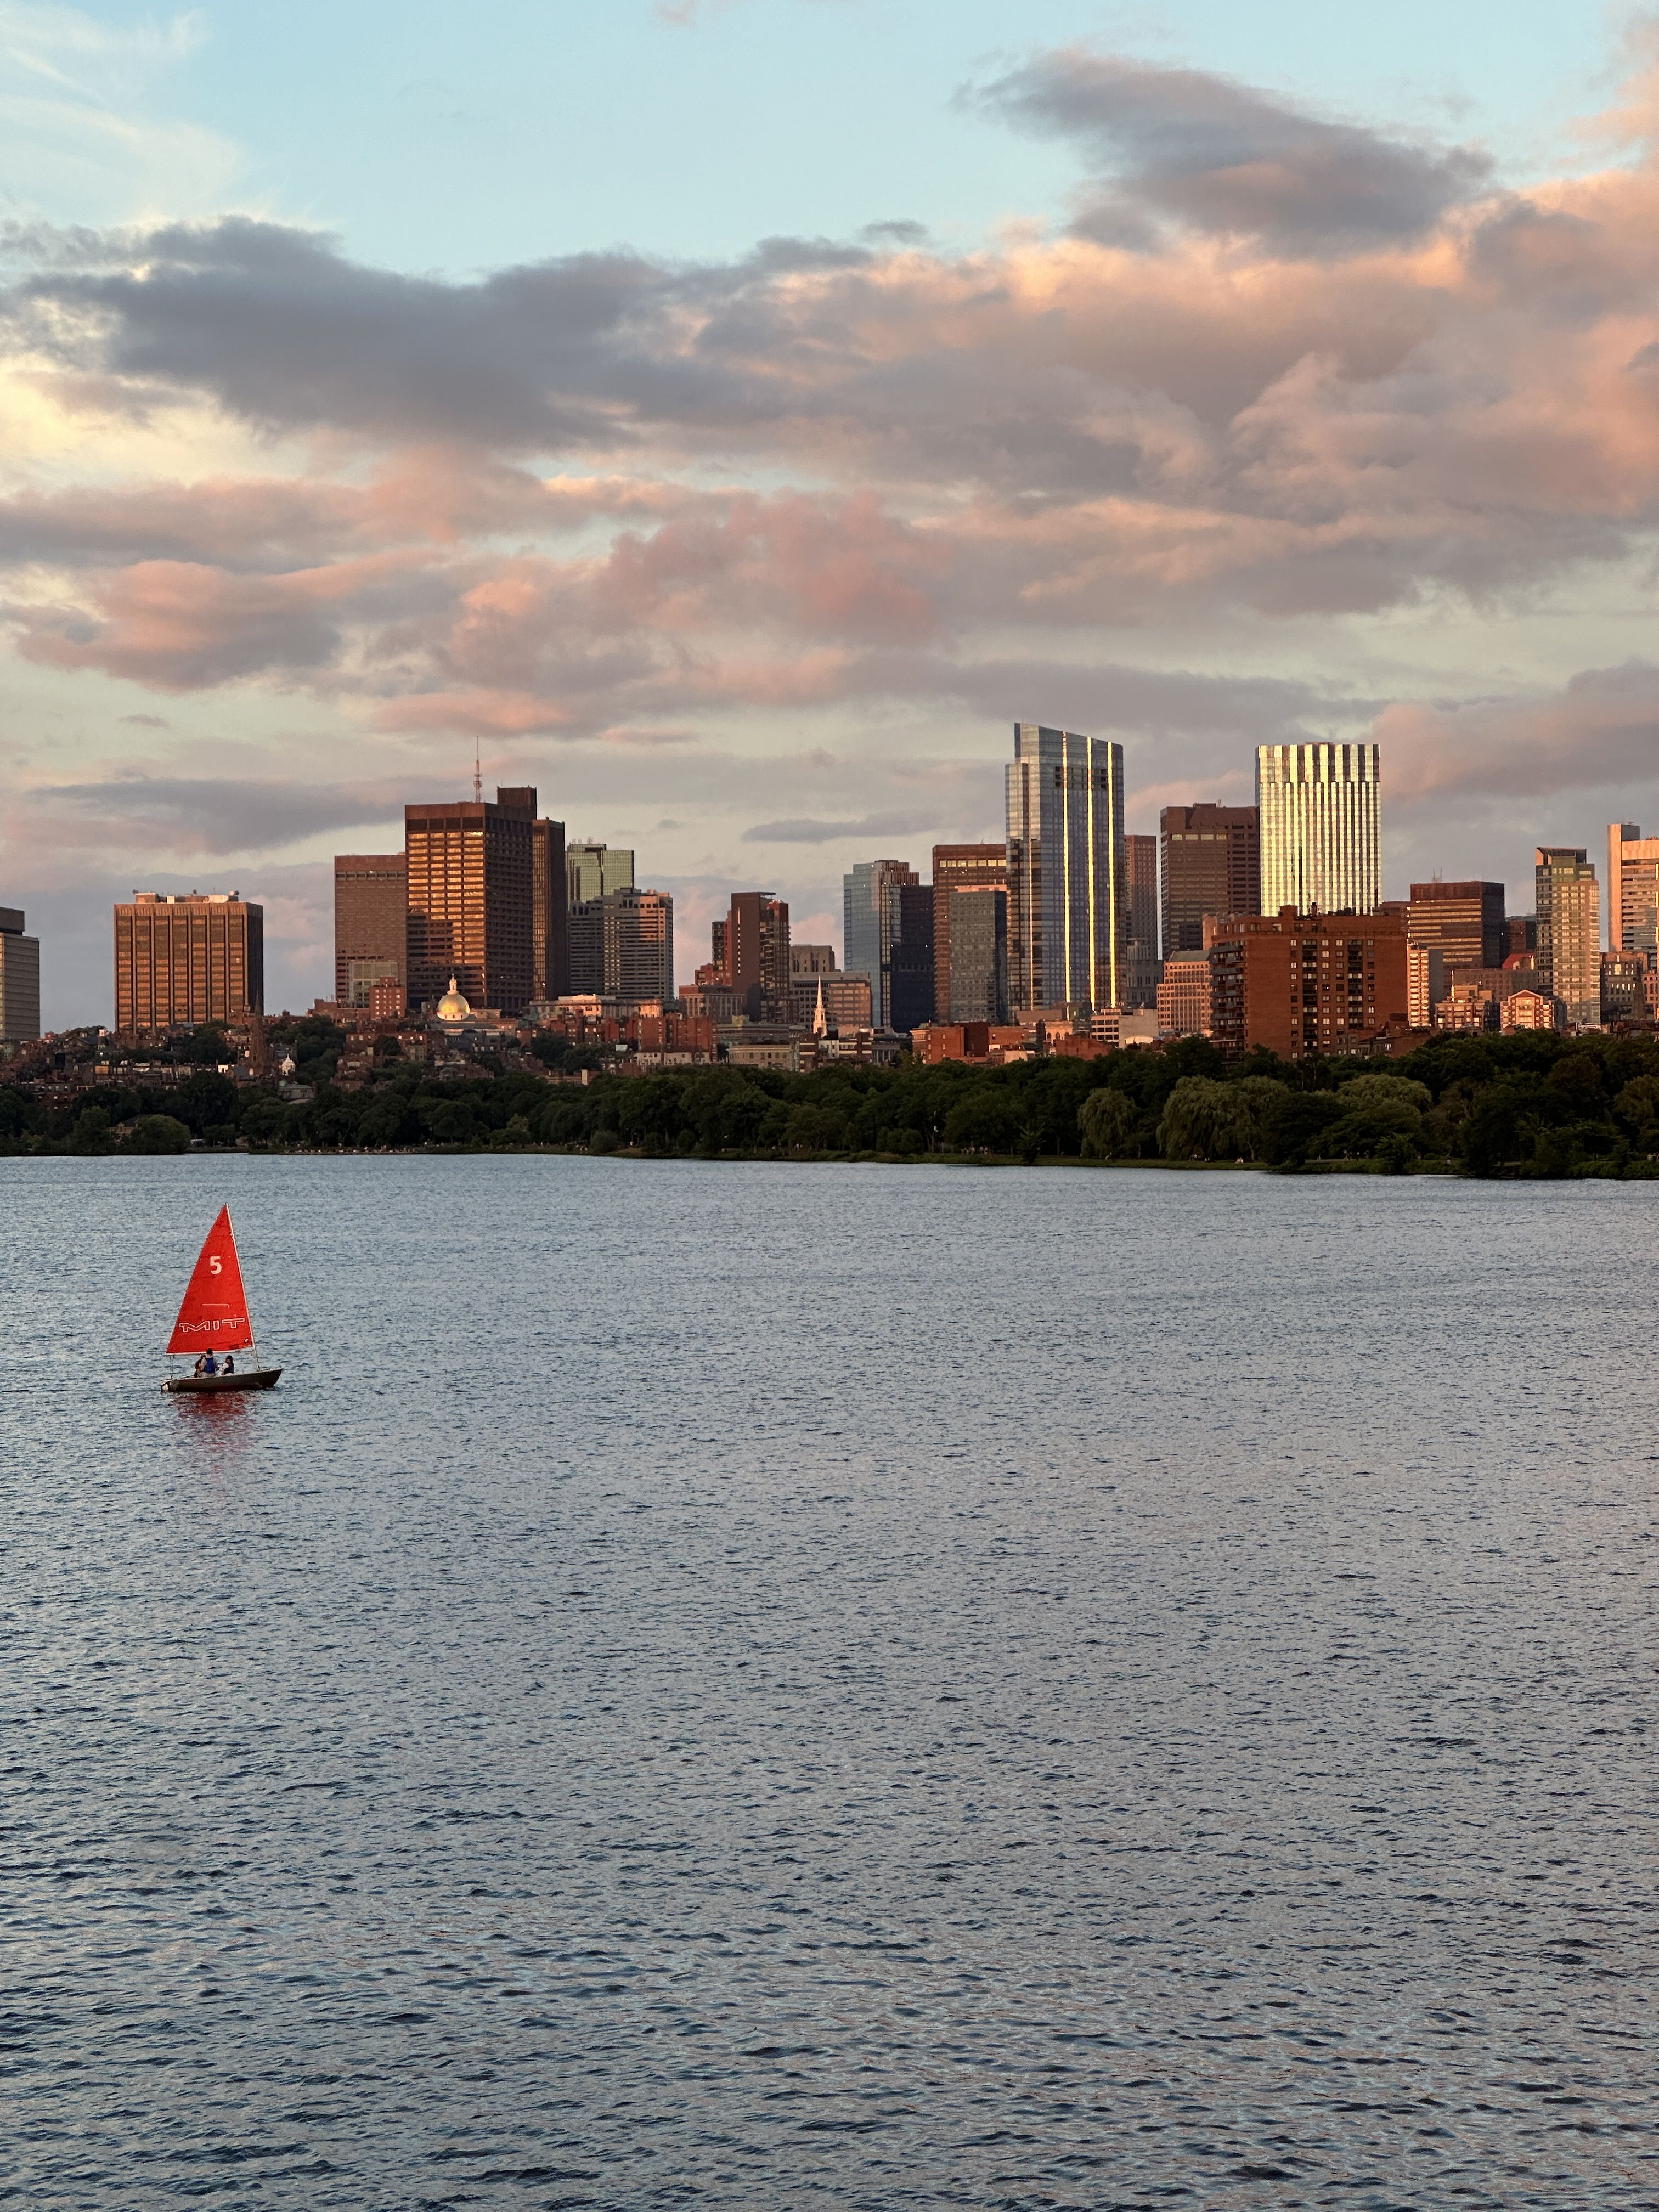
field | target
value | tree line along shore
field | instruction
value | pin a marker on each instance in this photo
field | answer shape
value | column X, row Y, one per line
column 1527, row 1105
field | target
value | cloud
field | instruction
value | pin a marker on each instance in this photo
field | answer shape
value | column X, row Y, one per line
column 1206, row 151
column 206, row 816
column 806, row 831
column 1600, row 730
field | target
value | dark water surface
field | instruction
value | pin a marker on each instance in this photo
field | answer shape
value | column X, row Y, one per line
column 733, row 1685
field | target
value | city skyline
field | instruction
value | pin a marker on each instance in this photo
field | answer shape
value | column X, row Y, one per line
column 309, row 498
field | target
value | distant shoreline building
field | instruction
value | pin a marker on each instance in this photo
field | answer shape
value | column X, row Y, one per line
column 1211, row 859
column 1632, row 891
column 1320, row 812
column 961, row 868
column 371, row 933
column 19, row 980
column 1302, row 984
column 1569, row 956
column 1068, row 887
column 181, row 960
column 472, row 869
column 872, row 921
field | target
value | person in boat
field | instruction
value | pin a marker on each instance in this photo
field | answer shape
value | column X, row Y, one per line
column 230, row 1362
column 209, row 1364
column 201, row 1364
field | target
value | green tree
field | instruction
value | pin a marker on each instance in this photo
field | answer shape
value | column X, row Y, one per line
column 1110, row 1122
column 157, row 1132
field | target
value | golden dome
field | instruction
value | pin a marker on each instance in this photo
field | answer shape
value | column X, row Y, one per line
column 454, row 1005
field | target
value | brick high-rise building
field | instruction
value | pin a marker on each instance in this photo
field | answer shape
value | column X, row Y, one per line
column 1569, row 957
column 959, row 868
column 1632, row 891
column 751, row 954
column 182, row 960
column 1301, row 983
column 1321, row 827
column 1211, row 859
column 370, row 899
column 1067, row 898
column 1464, row 922
column 19, row 980
column 471, row 878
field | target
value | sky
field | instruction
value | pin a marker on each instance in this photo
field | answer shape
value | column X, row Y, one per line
column 732, row 415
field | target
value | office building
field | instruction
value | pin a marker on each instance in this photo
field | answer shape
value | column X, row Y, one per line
column 1520, row 934
column 809, row 960
column 371, row 894
column 593, row 872
column 471, row 870
column 1067, row 870
column 911, row 965
column 19, row 980
column 1427, row 981
column 1570, row 933
column 976, row 935
column 752, row 954
column 958, row 868
column 622, row 947
column 1632, row 891
column 845, row 1000
column 1211, row 863
column 1623, row 987
column 1183, row 996
column 1141, row 920
column 871, row 919
column 1308, row 983
column 182, row 960
column 550, row 950
column 1464, row 922
column 1320, row 807
column 1530, row 1010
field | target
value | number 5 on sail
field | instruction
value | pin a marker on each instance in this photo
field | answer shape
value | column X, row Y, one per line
column 213, row 1321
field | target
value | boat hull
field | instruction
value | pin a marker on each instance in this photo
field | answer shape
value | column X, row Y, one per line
column 253, row 1378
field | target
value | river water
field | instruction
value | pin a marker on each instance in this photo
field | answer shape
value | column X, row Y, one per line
column 741, row 1685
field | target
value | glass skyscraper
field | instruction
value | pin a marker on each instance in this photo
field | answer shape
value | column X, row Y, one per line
column 1320, row 807
column 874, row 919
column 1067, row 877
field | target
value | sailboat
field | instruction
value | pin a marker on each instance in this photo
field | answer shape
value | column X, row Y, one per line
column 213, row 1318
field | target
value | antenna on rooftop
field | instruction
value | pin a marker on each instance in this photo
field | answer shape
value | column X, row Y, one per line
column 478, row 776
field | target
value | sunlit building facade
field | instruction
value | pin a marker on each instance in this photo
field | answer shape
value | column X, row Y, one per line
column 1569, row 956
column 1067, row 873
column 1632, row 891
column 19, row 980
column 183, row 959
column 470, row 873
column 1320, row 810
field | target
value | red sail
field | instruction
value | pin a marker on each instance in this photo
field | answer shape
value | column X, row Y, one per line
column 214, row 1315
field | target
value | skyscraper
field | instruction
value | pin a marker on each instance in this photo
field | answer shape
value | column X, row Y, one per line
column 978, row 938
column 1212, row 864
column 959, row 867
column 471, row 873
column 371, row 893
column 1322, row 832
column 1302, row 984
column 1464, row 922
column 595, row 871
column 871, row 919
column 1067, row 870
column 751, row 953
column 910, row 967
column 183, row 960
column 1140, row 906
column 19, row 980
column 1632, row 891
column 1568, row 955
